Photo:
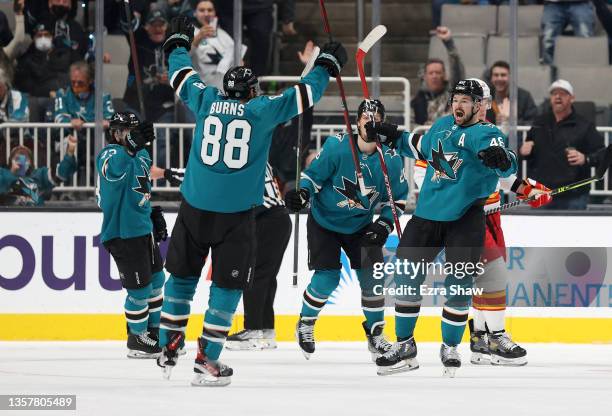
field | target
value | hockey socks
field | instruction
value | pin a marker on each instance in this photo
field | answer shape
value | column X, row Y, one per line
column 453, row 324
column 156, row 299
column 137, row 309
column 406, row 315
column 222, row 304
column 321, row 286
column 373, row 306
column 176, row 307
column 490, row 308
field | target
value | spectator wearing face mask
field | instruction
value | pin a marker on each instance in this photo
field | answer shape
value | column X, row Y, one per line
column 67, row 33
column 212, row 49
column 42, row 70
column 22, row 184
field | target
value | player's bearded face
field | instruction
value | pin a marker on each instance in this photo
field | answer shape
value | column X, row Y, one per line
column 121, row 135
column 464, row 109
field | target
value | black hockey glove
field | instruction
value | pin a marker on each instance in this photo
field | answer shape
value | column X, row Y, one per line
column 160, row 232
column 376, row 234
column 138, row 138
column 181, row 34
column 297, row 200
column 495, row 157
column 332, row 57
column 174, row 176
column 387, row 133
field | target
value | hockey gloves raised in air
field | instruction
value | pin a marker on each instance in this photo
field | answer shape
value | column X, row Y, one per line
column 160, row 232
column 387, row 133
column 174, row 176
column 138, row 138
column 495, row 157
column 297, row 200
column 533, row 189
column 181, row 34
column 332, row 57
column 376, row 234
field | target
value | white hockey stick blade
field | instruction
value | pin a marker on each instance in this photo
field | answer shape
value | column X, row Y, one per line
column 373, row 37
column 311, row 61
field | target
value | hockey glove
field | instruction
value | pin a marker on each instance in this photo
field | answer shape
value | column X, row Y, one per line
column 332, row 57
column 376, row 234
column 534, row 189
column 495, row 157
column 297, row 200
column 181, row 34
column 138, row 138
column 387, row 133
column 160, row 232
column 174, row 176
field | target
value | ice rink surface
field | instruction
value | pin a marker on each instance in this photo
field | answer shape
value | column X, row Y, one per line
column 339, row 379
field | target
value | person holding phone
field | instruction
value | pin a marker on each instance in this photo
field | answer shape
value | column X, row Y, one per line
column 212, row 50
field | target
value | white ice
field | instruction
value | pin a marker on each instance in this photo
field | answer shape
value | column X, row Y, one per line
column 339, row 379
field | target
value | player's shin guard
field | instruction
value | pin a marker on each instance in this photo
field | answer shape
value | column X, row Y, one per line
column 453, row 324
column 137, row 309
column 176, row 307
column 155, row 301
column 406, row 315
column 321, row 286
column 222, row 304
column 492, row 305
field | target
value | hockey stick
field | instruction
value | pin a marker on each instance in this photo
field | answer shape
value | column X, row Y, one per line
column 600, row 172
column 347, row 121
column 135, row 63
column 298, row 172
column 374, row 36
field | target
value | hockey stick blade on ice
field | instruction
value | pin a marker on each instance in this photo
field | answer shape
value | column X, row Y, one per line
column 298, row 172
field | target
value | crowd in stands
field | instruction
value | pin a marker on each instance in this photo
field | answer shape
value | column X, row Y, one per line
column 46, row 70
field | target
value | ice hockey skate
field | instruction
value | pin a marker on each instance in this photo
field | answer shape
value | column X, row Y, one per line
column 142, row 346
column 209, row 373
column 451, row 360
column 304, row 335
column 247, row 339
column 504, row 351
column 377, row 343
column 479, row 345
column 170, row 353
column 401, row 357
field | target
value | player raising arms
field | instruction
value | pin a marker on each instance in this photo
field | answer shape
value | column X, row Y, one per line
column 124, row 190
column 341, row 218
column 224, row 181
column 465, row 160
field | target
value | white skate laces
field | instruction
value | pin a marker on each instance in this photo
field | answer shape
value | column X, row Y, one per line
column 306, row 333
column 146, row 339
column 505, row 341
column 450, row 353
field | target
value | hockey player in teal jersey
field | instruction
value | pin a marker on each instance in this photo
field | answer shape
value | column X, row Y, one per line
column 340, row 217
column 465, row 160
column 131, row 229
column 224, row 181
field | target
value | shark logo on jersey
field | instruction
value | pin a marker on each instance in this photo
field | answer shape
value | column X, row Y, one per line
column 144, row 186
column 354, row 199
column 445, row 165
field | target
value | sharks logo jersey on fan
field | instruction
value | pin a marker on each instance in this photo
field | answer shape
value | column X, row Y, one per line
column 124, row 191
column 456, row 178
column 336, row 201
column 227, row 162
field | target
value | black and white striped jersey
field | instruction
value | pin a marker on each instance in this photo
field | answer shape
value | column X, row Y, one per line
column 272, row 195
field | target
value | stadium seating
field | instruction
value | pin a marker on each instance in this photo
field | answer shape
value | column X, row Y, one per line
column 462, row 19
column 117, row 46
column 536, row 80
column 115, row 78
column 7, row 8
column 498, row 49
column 471, row 49
column 529, row 18
column 575, row 51
column 591, row 83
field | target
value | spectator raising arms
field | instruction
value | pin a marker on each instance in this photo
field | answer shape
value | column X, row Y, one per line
column 212, row 49
column 561, row 147
column 21, row 184
column 431, row 101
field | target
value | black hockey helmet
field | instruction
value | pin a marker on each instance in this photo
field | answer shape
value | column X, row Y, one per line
column 123, row 120
column 469, row 87
column 371, row 106
column 238, row 82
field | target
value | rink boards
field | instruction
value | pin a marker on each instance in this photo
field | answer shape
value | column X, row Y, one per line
column 58, row 283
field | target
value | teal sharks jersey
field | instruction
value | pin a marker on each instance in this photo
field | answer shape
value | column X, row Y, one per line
column 227, row 163
column 336, row 201
column 456, row 178
column 124, row 191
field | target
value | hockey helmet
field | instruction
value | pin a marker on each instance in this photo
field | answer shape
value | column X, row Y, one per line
column 371, row 106
column 124, row 120
column 238, row 82
column 468, row 87
column 486, row 91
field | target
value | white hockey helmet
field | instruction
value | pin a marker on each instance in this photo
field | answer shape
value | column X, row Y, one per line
column 486, row 91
